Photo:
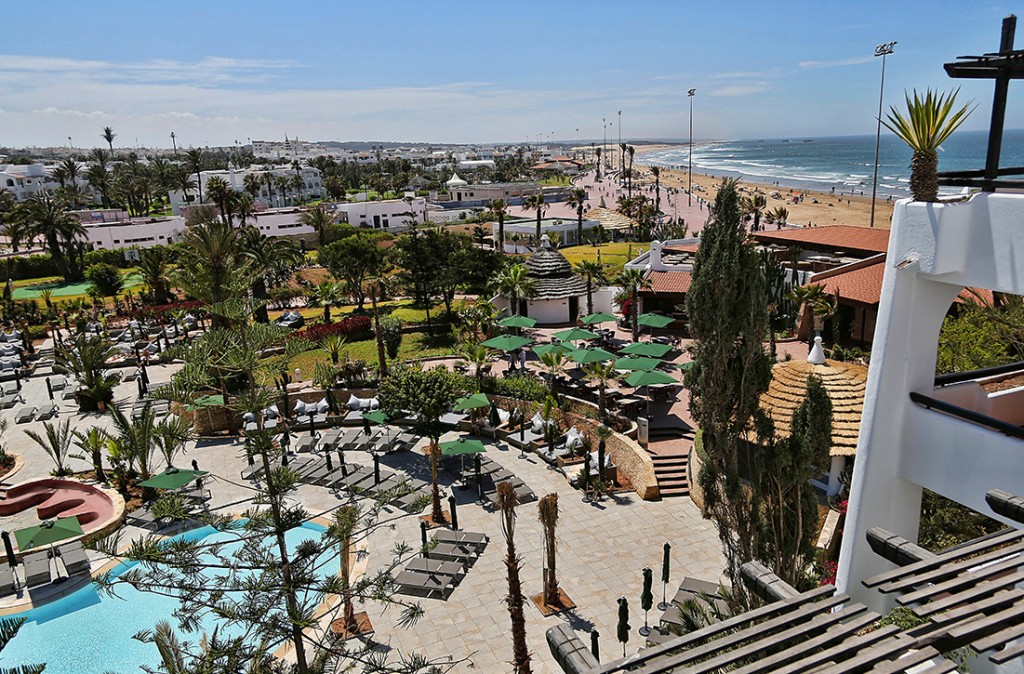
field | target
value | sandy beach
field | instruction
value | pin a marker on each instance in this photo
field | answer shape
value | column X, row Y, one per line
column 814, row 208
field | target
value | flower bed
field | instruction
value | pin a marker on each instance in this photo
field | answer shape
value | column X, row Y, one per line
column 355, row 328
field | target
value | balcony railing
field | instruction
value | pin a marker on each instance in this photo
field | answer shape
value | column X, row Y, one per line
column 967, row 415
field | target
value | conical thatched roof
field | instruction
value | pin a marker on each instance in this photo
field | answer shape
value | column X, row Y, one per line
column 552, row 274
column 845, row 384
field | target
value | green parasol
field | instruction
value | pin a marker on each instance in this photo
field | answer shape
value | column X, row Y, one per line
column 634, row 363
column 462, row 446
column 173, row 478
column 517, row 322
column 575, row 335
column 685, row 367
column 597, row 318
column 48, row 533
column 506, row 342
column 591, row 355
column 648, row 349
column 214, row 400
column 541, row 349
column 471, row 402
column 649, row 378
column 376, row 417
column 654, row 320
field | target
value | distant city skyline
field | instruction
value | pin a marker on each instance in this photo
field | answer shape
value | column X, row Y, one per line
column 450, row 72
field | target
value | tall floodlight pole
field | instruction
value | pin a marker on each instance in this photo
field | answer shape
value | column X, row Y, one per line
column 604, row 143
column 882, row 50
column 622, row 154
column 689, row 171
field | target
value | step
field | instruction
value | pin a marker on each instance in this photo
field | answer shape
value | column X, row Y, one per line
column 674, row 492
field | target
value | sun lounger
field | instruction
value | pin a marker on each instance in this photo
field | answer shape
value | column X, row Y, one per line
column 24, row 415
column 37, row 569
column 75, row 560
column 306, row 443
column 466, row 538
column 198, row 495
column 525, row 440
column 9, row 400
column 69, row 393
column 6, row 580
column 437, row 566
column 453, row 418
column 453, row 552
column 47, row 411
column 424, row 584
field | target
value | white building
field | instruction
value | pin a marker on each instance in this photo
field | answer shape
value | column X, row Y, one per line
column 290, row 148
column 520, row 233
column 25, row 180
column 138, row 233
column 312, row 185
column 390, row 215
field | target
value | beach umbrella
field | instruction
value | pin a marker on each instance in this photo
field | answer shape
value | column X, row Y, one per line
column 634, row 363
column 376, row 469
column 665, row 559
column 622, row 628
column 423, row 539
column 455, row 513
column 685, row 367
column 376, row 417
column 507, row 342
column 654, row 320
column 591, row 355
column 597, row 318
column 479, row 478
column 49, row 389
column 48, row 533
column 472, row 402
column 575, row 335
column 517, row 322
column 649, row 378
column 541, row 349
column 173, row 478
column 9, row 550
column 647, row 349
column 462, row 446
column 595, row 649
column 646, row 599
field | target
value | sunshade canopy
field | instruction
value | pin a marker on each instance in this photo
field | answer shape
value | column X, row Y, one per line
column 634, row 363
column 472, row 402
column 517, row 322
column 506, row 342
column 584, row 356
column 651, row 378
column 214, row 400
column 541, row 349
column 654, row 320
column 172, row 478
column 462, row 446
column 575, row 335
column 648, row 349
column 48, row 533
column 597, row 318
column 686, row 367
column 376, row 417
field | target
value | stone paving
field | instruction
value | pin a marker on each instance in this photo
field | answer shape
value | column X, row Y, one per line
column 602, row 546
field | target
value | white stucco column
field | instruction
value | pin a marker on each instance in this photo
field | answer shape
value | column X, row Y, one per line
column 834, row 473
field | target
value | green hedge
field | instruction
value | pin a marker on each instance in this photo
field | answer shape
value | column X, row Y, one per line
column 514, row 386
column 41, row 266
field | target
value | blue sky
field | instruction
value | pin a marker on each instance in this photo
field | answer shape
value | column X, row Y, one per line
column 215, row 72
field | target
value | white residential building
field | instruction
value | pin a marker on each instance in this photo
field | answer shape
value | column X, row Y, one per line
column 313, row 187
column 389, row 215
column 24, row 180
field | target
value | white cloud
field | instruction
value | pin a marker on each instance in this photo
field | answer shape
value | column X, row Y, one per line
column 852, row 61
column 737, row 90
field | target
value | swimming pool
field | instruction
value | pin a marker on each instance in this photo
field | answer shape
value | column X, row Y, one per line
column 87, row 632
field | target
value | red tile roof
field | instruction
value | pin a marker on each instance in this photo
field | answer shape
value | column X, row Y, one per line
column 682, row 248
column 677, row 282
column 847, row 238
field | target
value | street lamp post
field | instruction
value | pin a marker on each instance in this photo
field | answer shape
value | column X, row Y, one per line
column 882, row 50
column 604, row 143
column 174, row 144
column 689, row 171
column 622, row 154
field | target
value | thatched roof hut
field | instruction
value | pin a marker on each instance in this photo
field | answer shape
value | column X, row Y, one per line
column 553, row 274
column 845, row 383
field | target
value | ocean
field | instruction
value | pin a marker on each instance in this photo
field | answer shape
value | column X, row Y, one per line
column 844, row 163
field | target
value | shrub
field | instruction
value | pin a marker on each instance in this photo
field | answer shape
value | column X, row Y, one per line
column 515, row 386
column 354, row 328
column 105, row 278
column 391, row 333
column 161, row 309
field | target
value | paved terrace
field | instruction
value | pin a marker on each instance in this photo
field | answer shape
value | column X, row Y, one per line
column 602, row 546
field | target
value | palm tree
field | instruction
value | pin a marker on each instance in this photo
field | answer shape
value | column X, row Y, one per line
column 592, row 272
column 547, row 510
column 477, row 355
column 211, row 266
column 220, row 193
column 48, row 218
column 601, row 373
column 163, row 176
column 632, row 151
column 196, row 161
column 8, row 630
column 93, row 441
column 109, row 136
column 554, row 363
column 578, row 199
column 152, row 266
column 342, row 529
column 507, row 502
column 266, row 257
column 320, row 219
column 753, row 205
column 87, row 358
column 499, row 207
column 633, row 280
column 536, row 202
column 326, row 295
column 135, row 439
column 252, row 184
column 56, row 442
column 268, row 178
column 515, row 284
column 928, row 123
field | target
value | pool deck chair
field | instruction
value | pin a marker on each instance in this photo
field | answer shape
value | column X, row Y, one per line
column 9, row 400
column 453, row 552
column 37, row 569
column 429, row 585
column 75, row 560
column 469, row 539
column 6, row 580
column 306, row 443
column 24, row 415
column 46, row 411
column 424, row 565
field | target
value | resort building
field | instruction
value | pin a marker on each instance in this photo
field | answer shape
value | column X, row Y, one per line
column 461, row 191
column 669, row 267
column 25, row 180
column 520, row 234
column 390, row 215
column 285, row 189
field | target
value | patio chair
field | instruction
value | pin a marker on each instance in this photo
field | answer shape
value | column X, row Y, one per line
column 7, row 580
column 46, row 411
column 467, row 538
column 424, row 584
column 454, row 552
column 437, row 566
column 9, row 400
column 75, row 560
column 24, row 415
column 37, row 569
column 69, row 393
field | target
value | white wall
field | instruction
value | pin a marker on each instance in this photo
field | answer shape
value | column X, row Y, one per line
column 135, row 234
column 393, row 214
column 551, row 311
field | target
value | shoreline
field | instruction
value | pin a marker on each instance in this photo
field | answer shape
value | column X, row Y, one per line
column 815, row 207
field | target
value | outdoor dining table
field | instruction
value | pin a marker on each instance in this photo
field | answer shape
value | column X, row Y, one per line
column 629, row 403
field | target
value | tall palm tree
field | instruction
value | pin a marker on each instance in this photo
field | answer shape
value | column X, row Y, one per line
column 266, row 256
column 499, row 207
column 631, row 151
column 321, row 220
column 56, row 442
column 221, row 193
column 163, row 176
column 547, row 511
column 195, row 160
column 601, row 373
column 536, row 202
column 326, row 295
column 93, row 441
column 153, row 266
column 578, row 199
column 211, row 266
column 268, row 179
column 11, row 225
column 633, row 280
column 64, row 234
column 593, row 273
column 929, row 121
column 507, row 502
column 98, row 178
column 515, row 284
column 109, row 136
column 252, row 184
column 754, row 205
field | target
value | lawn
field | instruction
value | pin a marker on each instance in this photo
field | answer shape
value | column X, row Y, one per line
column 556, row 181
column 414, row 345
column 403, row 310
column 613, row 255
column 27, row 289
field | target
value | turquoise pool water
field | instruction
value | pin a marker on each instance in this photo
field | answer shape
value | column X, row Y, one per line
column 86, row 632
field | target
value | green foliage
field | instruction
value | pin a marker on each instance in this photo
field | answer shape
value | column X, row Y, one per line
column 354, row 259
column 87, row 358
column 979, row 337
column 105, row 278
column 391, row 333
column 945, row 523
column 520, row 387
column 428, row 393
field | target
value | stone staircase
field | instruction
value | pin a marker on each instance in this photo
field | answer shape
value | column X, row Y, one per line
column 672, row 473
